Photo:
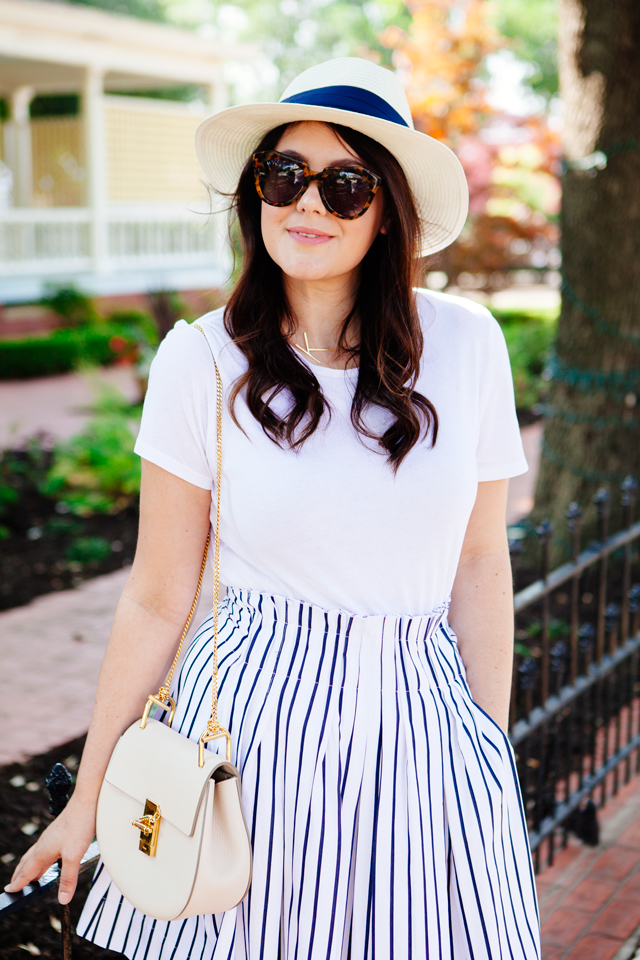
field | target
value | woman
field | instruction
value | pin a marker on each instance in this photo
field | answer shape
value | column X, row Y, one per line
column 369, row 434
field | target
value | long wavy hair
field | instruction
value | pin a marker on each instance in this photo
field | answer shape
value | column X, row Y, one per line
column 389, row 349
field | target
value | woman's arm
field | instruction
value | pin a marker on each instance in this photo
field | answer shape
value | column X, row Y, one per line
column 481, row 612
column 153, row 608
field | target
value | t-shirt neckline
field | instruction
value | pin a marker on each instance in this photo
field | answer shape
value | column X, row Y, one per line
column 333, row 372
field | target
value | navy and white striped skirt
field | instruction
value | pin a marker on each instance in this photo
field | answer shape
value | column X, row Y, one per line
column 383, row 803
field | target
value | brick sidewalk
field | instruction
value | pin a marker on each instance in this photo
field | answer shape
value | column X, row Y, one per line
column 51, row 651
column 590, row 897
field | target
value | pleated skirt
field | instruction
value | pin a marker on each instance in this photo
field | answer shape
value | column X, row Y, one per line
column 383, row 804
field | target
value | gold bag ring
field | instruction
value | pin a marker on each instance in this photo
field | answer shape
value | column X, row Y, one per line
column 162, row 699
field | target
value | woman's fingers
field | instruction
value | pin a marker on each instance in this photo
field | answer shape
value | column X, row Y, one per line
column 33, row 864
column 68, row 878
column 67, row 838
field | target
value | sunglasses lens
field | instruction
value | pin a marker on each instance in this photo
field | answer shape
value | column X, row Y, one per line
column 347, row 192
column 280, row 180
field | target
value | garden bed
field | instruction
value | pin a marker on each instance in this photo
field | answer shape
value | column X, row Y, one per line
column 43, row 545
column 67, row 551
column 24, row 802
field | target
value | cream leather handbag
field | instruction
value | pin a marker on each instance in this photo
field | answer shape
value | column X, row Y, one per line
column 170, row 825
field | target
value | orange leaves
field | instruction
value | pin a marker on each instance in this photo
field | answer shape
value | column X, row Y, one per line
column 511, row 162
column 440, row 59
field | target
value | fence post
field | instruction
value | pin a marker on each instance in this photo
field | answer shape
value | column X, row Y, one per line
column 602, row 501
column 515, row 552
column 58, row 782
column 574, row 522
column 629, row 487
column 545, row 532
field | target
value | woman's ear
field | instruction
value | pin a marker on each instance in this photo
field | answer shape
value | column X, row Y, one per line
column 385, row 227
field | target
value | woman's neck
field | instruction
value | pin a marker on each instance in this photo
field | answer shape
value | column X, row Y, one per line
column 319, row 309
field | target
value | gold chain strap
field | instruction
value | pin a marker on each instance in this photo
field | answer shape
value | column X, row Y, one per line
column 213, row 730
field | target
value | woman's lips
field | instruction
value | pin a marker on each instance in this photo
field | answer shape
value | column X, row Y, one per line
column 309, row 237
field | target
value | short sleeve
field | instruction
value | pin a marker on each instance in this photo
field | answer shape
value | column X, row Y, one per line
column 176, row 412
column 499, row 452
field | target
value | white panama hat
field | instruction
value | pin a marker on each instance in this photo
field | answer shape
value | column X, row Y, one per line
column 358, row 94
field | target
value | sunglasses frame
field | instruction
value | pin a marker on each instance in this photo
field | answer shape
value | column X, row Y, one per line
column 311, row 176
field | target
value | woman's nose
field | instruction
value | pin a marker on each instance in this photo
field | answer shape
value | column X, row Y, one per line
column 310, row 201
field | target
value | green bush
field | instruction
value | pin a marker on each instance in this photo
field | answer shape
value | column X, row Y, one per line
column 61, row 351
column 136, row 324
column 19, row 470
column 75, row 308
column 96, row 471
column 529, row 337
column 88, row 551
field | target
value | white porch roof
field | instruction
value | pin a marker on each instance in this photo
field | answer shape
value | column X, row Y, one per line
column 49, row 46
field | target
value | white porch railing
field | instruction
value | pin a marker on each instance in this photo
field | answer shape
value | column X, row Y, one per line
column 155, row 237
column 44, row 241
column 48, row 242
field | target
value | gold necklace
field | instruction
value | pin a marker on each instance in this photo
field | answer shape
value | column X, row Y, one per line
column 309, row 351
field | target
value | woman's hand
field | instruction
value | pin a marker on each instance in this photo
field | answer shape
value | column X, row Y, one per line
column 67, row 838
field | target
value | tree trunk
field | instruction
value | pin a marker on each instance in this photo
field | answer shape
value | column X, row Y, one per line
column 592, row 426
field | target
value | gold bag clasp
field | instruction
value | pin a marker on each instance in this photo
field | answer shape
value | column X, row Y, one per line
column 149, row 827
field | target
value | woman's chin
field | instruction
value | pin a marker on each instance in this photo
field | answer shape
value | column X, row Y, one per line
column 309, row 272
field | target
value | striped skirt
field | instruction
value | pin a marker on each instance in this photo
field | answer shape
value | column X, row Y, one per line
column 383, row 804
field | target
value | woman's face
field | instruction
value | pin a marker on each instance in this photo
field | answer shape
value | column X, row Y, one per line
column 306, row 241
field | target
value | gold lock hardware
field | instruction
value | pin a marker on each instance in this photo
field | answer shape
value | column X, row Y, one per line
column 149, row 827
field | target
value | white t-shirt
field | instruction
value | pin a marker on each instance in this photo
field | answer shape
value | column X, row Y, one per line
column 332, row 524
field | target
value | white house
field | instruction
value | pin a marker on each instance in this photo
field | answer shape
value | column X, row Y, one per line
column 112, row 199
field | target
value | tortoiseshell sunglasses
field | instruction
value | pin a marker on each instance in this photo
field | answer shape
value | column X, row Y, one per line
column 346, row 192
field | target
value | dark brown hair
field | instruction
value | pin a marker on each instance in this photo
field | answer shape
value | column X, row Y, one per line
column 258, row 315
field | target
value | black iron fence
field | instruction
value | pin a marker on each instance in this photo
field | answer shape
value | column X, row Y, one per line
column 575, row 706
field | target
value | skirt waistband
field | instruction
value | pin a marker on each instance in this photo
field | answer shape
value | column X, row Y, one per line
column 313, row 619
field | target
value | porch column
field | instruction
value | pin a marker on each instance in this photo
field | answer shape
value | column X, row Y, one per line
column 17, row 144
column 217, row 95
column 95, row 147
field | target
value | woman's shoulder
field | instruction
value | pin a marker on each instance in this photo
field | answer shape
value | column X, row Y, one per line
column 185, row 345
column 187, row 337
column 453, row 312
column 455, row 324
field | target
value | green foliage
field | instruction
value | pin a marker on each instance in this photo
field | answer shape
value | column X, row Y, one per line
column 59, row 351
column 183, row 93
column 74, row 307
column 144, row 9
column 294, row 34
column 55, row 105
column 8, row 493
column 88, row 551
column 558, row 629
column 62, row 527
column 529, row 337
column 137, row 325
column 20, row 467
column 96, row 471
column 532, row 27
column 302, row 34
column 19, row 470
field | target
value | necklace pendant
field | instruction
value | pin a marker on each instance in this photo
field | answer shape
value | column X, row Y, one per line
column 309, row 351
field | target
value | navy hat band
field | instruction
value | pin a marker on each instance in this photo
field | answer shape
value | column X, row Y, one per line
column 354, row 99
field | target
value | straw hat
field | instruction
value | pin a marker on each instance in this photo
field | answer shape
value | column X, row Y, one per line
column 358, row 94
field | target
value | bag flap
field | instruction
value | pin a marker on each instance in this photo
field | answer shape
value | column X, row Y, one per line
column 161, row 765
